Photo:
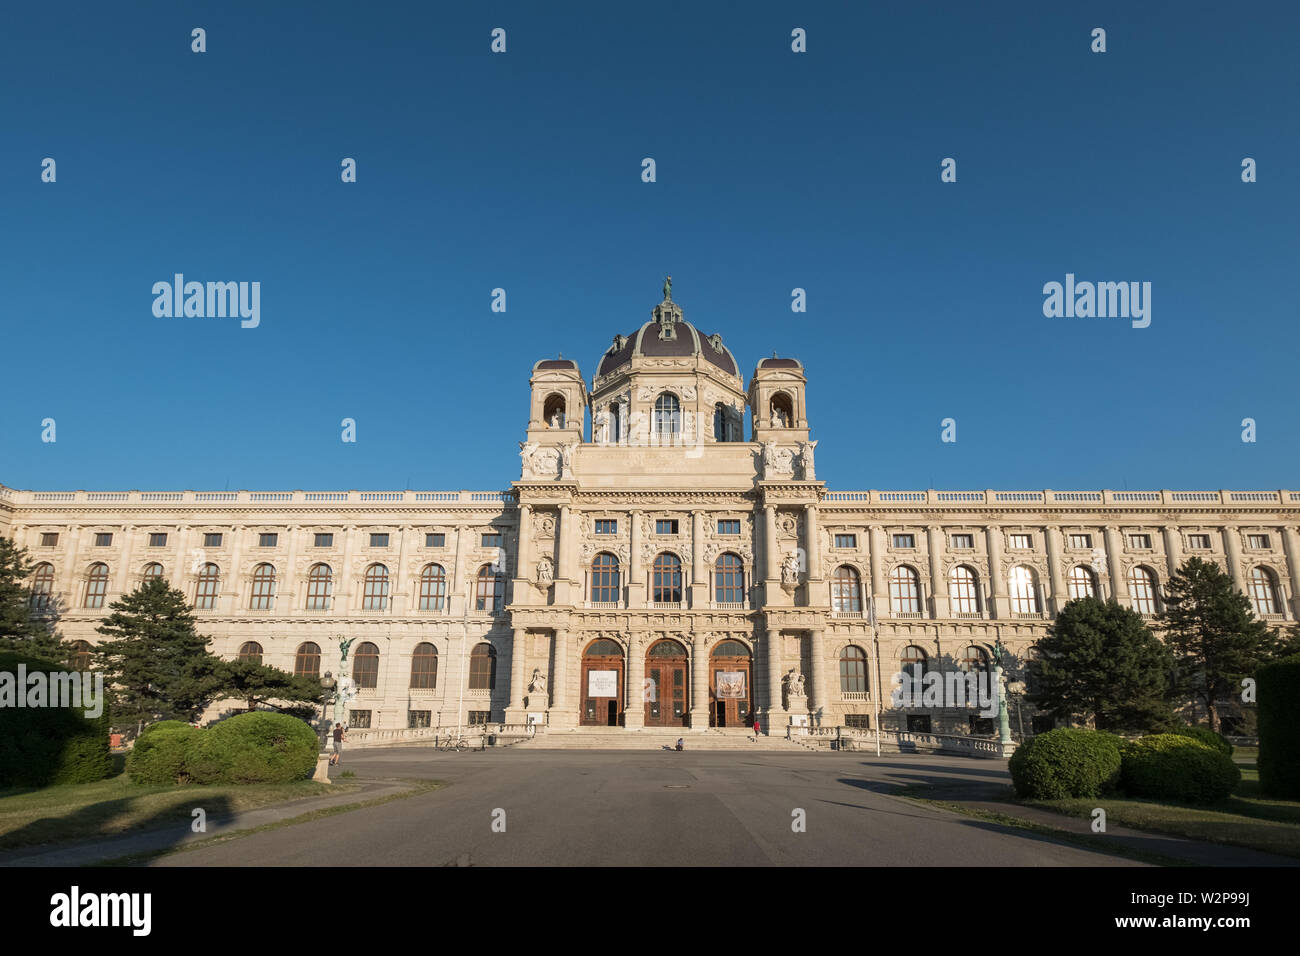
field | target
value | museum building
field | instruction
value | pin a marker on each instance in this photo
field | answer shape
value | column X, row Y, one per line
column 653, row 565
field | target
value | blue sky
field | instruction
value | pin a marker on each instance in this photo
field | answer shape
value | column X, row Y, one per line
column 775, row 170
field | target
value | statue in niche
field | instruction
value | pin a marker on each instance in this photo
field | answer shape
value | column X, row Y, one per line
column 538, row 683
column 545, row 570
column 566, row 460
column 806, row 458
column 601, row 428
column 790, row 569
column 794, row 684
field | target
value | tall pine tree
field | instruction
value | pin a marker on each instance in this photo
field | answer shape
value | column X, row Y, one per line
column 22, row 628
column 154, row 659
column 1100, row 662
column 1215, row 637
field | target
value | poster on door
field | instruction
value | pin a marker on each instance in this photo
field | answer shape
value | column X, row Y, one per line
column 602, row 683
column 731, row 685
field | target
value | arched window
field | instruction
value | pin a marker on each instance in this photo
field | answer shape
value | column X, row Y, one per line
column 730, row 649
column 152, row 571
column 904, row 590
column 846, row 591
column 207, row 588
column 615, row 422
column 667, row 578
column 374, row 596
column 250, row 651
column 433, row 587
column 963, row 590
column 42, row 586
column 853, row 670
column 320, row 585
column 79, row 655
column 912, row 658
column 263, row 588
column 490, row 590
column 1081, row 583
column 1142, row 590
column 604, row 648
column 1263, row 591
column 483, row 667
column 976, row 659
column 424, row 667
column 668, row 417
column 720, row 422
column 306, row 663
column 782, row 411
column 604, row 578
column 365, row 666
column 1023, row 586
column 96, row 585
column 729, row 579
column 553, row 411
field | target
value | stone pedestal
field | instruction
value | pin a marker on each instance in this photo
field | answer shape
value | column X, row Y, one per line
column 537, row 704
column 322, row 773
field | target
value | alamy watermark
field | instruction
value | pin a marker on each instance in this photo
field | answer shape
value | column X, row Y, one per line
column 212, row 300
column 1102, row 300
column 60, row 689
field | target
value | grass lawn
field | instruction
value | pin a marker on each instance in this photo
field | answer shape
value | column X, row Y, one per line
column 110, row 807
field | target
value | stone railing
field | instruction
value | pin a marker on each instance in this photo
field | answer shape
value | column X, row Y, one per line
column 258, row 497
column 905, row 741
column 1048, row 496
column 472, row 733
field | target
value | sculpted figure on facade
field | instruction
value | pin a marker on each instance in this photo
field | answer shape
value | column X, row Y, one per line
column 545, row 570
column 806, row 460
column 600, row 426
column 566, row 453
column 538, row 683
column 790, row 569
column 777, row 462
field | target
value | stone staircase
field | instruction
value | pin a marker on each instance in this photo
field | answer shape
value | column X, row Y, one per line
column 620, row 738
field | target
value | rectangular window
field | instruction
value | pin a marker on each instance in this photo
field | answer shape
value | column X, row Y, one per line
column 212, row 540
column 1198, row 542
column 858, row 721
column 1257, row 541
column 665, row 526
column 49, row 539
column 846, row 541
column 1022, row 541
column 478, row 718
column 267, row 540
column 379, row 540
column 324, row 540
column 359, row 719
column 606, row 526
column 905, row 541
column 158, row 539
column 419, row 718
column 492, row 539
column 1139, row 541
column 728, row 526
column 103, row 539
column 1081, row 541
column 963, row 541
column 435, row 540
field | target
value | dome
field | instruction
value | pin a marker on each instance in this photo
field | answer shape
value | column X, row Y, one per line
column 668, row 335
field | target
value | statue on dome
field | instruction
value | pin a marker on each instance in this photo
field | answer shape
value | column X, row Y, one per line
column 668, row 288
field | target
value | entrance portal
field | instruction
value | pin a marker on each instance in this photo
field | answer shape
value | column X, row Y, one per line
column 666, row 667
column 602, row 684
column 730, row 686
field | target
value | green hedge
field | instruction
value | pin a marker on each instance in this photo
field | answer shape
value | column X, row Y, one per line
column 1206, row 736
column 1279, row 728
column 161, row 751
column 1066, row 763
column 40, row 746
column 259, row 747
column 1177, row 767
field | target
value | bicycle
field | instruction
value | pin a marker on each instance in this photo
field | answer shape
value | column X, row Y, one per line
column 451, row 742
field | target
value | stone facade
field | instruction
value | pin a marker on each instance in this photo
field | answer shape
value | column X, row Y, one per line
column 662, row 533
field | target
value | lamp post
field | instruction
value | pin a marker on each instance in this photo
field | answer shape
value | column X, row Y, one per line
column 464, row 642
column 1004, row 724
column 328, row 684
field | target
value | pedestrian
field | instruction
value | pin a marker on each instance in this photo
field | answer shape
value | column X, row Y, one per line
column 340, row 735
column 756, row 728
column 679, row 743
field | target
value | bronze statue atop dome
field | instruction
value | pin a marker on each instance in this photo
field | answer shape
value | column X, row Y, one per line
column 668, row 288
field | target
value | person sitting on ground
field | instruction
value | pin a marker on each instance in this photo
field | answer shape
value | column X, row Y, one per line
column 679, row 743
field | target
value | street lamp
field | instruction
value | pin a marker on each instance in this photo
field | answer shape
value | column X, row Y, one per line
column 1004, row 724
column 328, row 684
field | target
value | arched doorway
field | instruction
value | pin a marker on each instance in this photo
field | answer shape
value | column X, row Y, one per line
column 602, row 684
column 731, row 702
column 666, row 668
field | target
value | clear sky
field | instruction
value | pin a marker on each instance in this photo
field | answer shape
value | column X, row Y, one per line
column 522, row 170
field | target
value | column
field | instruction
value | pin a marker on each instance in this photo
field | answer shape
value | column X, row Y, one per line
column 516, row 712
column 560, row 689
column 772, row 660
column 286, row 601
column 124, row 560
column 1054, row 568
column 878, row 592
column 343, row 589
column 1232, row 549
column 700, row 681
column 1173, row 548
column 68, row 576
column 636, row 596
column 1114, row 548
column 401, row 592
column 524, row 546
column 634, row 696
column 699, row 574
column 993, row 534
column 230, row 597
column 938, row 587
column 1291, row 543
column 769, row 544
column 564, row 545
column 818, row 691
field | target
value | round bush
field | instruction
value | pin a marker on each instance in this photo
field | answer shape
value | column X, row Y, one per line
column 40, row 746
column 1066, row 763
column 258, row 747
column 161, row 752
column 1206, row 736
column 1175, row 767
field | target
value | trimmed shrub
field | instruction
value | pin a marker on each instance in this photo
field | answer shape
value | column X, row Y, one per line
column 257, row 747
column 1279, row 727
column 1206, row 736
column 40, row 746
column 161, row 752
column 1066, row 763
column 1177, row 767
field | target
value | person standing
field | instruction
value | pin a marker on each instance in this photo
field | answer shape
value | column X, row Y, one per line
column 340, row 734
column 756, row 728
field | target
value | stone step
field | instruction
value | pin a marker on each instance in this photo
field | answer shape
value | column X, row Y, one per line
column 617, row 738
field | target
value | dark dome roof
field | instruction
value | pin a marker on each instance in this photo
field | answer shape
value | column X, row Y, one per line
column 779, row 363
column 557, row 363
column 685, row 341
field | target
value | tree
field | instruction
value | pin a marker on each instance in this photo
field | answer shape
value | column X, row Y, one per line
column 155, row 661
column 1214, row 635
column 259, row 683
column 22, row 629
column 1100, row 661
